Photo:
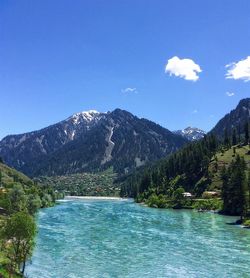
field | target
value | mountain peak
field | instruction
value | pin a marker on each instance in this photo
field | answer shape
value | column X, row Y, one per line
column 191, row 133
column 122, row 115
column 89, row 113
column 120, row 111
column 88, row 116
column 244, row 101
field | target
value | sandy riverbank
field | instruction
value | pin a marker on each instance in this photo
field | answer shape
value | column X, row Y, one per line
column 94, row 198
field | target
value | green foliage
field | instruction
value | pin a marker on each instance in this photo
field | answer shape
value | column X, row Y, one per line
column 234, row 189
column 246, row 131
column 33, row 203
column 226, row 138
column 246, row 223
column 234, row 138
column 198, row 168
column 184, row 168
column 18, row 240
column 20, row 199
column 46, row 200
column 178, row 198
column 208, row 204
column 5, row 273
column 17, row 199
column 157, row 201
column 201, row 186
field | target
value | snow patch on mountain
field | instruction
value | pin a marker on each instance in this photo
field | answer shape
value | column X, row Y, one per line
column 87, row 116
column 191, row 133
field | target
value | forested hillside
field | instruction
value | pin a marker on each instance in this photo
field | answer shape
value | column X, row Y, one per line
column 184, row 168
column 20, row 199
column 209, row 165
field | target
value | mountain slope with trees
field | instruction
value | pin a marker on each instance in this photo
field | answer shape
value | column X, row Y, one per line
column 20, row 199
column 200, row 167
column 90, row 141
column 235, row 121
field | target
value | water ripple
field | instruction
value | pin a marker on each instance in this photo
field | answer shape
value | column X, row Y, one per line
column 89, row 238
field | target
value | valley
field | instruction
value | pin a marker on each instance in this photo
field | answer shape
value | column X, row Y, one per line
column 116, row 154
column 124, row 139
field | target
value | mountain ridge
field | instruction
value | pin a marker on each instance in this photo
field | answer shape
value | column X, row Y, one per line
column 235, row 119
column 88, row 141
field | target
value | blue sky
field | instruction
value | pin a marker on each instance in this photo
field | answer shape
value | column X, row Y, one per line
column 58, row 57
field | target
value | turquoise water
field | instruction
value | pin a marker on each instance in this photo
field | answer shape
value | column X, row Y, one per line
column 124, row 239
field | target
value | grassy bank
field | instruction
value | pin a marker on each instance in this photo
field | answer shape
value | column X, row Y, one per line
column 161, row 201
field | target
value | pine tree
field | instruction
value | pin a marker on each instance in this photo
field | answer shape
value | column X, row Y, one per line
column 243, row 190
column 1, row 178
column 246, row 130
column 225, row 188
column 146, row 182
column 226, row 138
column 234, row 188
column 234, row 139
column 239, row 133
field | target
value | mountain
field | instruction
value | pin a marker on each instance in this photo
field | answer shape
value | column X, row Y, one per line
column 204, row 168
column 191, row 133
column 90, row 141
column 235, row 119
column 19, row 151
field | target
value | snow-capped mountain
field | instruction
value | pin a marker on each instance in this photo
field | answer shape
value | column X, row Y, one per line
column 89, row 141
column 19, row 150
column 85, row 116
column 191, row 133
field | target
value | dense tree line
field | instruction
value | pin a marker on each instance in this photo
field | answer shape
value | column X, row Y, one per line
column 184, row 168
column 235, row 135
column 235, row 188
column 188, row 170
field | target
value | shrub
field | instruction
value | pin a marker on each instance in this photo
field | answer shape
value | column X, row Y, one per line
column 246, row 223
column 158, row 201
column 208, row 204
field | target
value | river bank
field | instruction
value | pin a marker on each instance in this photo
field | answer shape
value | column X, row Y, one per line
column 95, row 198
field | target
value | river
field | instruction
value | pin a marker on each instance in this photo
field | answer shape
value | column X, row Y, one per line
column 119, row 238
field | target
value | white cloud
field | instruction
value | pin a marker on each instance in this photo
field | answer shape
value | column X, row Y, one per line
column 129, row 90
column 184, row 68
column 195, row 111
column 239, row 70
column 229, row 94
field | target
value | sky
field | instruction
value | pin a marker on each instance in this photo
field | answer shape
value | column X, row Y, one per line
column 177, row 63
